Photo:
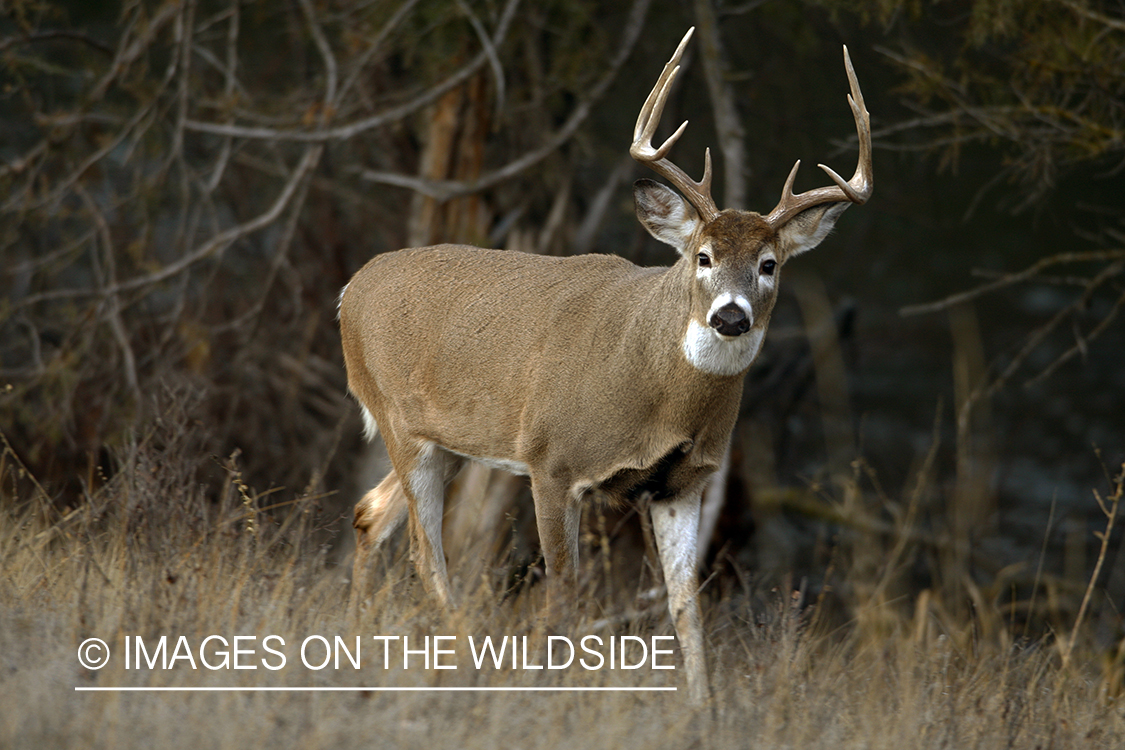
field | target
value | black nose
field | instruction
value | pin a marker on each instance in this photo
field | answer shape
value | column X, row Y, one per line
column 730, row 320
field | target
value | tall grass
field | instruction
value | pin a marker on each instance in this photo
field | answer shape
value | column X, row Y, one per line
column 146, row 555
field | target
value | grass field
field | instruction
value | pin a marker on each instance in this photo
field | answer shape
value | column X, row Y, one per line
column 149, row 557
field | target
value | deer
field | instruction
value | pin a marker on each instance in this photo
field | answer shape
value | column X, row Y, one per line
column 601, row 380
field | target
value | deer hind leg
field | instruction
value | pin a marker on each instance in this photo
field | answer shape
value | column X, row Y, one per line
column 427, row 472
column 676, row 524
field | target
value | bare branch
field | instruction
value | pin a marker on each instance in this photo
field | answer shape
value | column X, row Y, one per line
column 1080, row 345
column 1113, row 23
column 329, row 59
column 127, row 55
column 375, row 45
column 394, row 114
column 229, row 83
column 447, row 189
column 728, row 124
column 599, row 206
column 129, row 361
column 744, row 8
column 1008, row 280
column 46, row 36
column 64, row 185
column 490, row 50
column 1111, row 519
column 220, row 241
column 986, row 388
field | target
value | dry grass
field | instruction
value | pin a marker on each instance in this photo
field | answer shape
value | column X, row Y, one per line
column 149, row 556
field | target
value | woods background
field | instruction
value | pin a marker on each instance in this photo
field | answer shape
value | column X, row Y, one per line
column 930, row 441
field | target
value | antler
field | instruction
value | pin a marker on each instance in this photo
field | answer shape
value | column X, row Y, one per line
column 698, row 193
column 857, row 190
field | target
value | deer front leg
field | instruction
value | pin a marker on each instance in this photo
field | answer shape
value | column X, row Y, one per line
column 676, row 525
column 557, row 517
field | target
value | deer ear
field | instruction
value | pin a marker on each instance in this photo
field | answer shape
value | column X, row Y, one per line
column 808, row 229
column 664, row 213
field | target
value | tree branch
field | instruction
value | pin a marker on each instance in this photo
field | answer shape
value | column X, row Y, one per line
column 1011, row 279
column 394, row 114
column 447, row 189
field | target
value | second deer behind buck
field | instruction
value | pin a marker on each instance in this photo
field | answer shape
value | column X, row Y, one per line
column 595, row 377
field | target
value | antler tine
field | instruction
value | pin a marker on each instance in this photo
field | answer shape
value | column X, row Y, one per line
column 654, row 105
column 856, row 190
column 698, row 193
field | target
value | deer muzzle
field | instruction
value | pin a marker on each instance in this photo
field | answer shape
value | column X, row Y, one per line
column 729, row 320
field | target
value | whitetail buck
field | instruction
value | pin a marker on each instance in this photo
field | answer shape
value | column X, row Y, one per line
column 597, row 378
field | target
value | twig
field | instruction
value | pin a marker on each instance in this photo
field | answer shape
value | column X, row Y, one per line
column 361, row 63
column 986, row 389
column 1080, row 344
column 490, row 50
column 1079, row 281
column 185, row 29
column 64, row 185
column 330, row 66
column 280, row 254
column 588, row 228
column 447, row 189
column 394, row 114
column 128, row 53
column 116, row 324
column 222, row 240
column 46, row 36
column 728, row 125
column 1012, row 279
column 1111, row 518
column 746, row 7
column 230, row 80
column 906, row 526
column 1113, row 23
column 46, row 507
column 1039, row 567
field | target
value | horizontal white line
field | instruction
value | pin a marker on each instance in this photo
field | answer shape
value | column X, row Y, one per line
column 373, row 689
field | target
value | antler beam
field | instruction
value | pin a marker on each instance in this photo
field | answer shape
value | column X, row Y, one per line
column 856, row 190
column 698, row 193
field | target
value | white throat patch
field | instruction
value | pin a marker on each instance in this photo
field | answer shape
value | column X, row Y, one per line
column 706, row 350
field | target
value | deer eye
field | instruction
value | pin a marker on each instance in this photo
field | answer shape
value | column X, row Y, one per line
column 704, row 260
column 768, row 267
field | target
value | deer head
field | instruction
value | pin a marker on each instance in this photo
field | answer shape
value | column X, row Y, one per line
column 736, row 255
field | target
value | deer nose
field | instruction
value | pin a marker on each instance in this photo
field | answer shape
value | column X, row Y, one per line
column 729, row 320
